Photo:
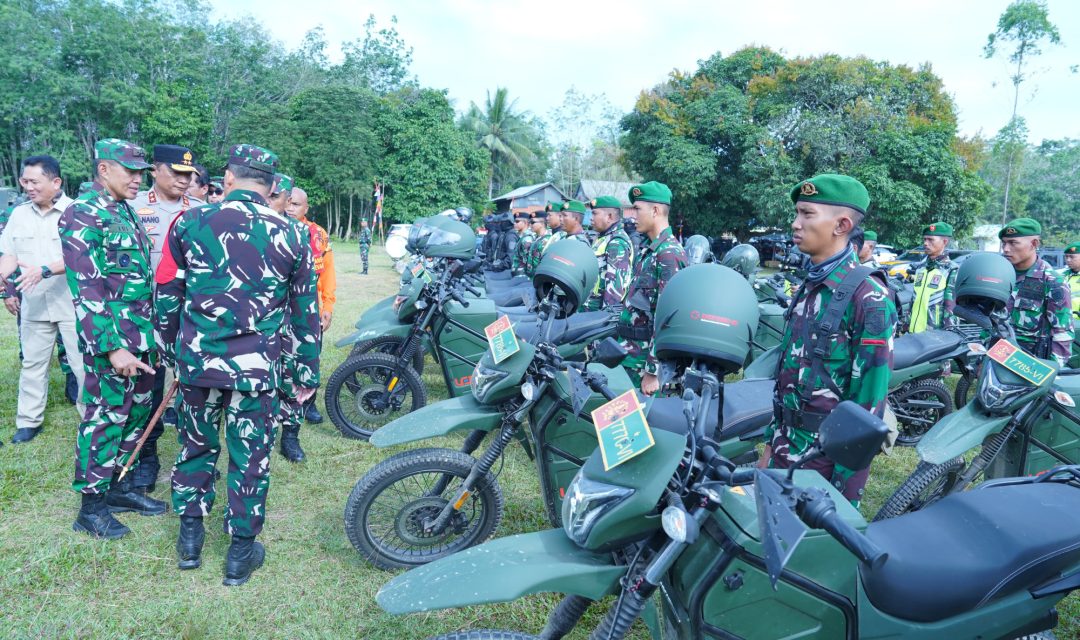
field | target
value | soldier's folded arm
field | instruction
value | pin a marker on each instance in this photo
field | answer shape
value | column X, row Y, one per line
column 81, row 241
column 304, row 318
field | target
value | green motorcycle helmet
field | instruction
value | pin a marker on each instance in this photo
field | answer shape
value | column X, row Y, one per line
column 743, row 258
column 569, row 270
column 698, row 249
column 449, row 238
column 706, row 312
column 984, row 281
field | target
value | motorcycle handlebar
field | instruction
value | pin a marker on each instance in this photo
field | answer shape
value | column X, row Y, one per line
column 473, row 290
column 460, row 298
column 819, row 511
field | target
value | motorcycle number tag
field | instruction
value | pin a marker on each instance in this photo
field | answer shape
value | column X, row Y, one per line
column 501, row 339
column 418, row 271
column 622, row 431
column 1022, row 364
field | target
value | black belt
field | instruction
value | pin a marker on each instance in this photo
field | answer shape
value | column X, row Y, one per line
column 801, row 419
column 634, row 333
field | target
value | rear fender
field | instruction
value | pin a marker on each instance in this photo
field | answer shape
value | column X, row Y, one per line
column 502, row 570
column 957, row 433
column 456, row 414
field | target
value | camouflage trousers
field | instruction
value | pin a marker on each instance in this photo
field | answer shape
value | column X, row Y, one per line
column 290, row 416
column 847, row 482
column 249, row 425
column 634, row 362
column 364, row 248
column 117, row 409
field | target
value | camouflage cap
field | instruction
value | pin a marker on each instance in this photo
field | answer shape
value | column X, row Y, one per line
column 1021, row 228
column 943, row 229
column 605, row 202
column 651, row 192
column 248, row 155
column 127, row 154
column 217, row 181
column 870, row 236
column 282, row 182
column 833, row 189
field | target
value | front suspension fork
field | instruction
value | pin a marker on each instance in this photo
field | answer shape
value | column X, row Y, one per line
column 472, row 441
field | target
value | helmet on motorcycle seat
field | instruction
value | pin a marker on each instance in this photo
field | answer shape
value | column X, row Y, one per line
column 698, row 249
column 984, row 281
column 742, row 258
column 707, row 312
column 418, row 234
column 464, row 214
column 569, row 271
column 449, row 238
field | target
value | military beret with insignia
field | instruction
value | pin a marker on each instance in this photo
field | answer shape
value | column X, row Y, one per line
column 1021, row 228
column 943, row 229
column 1072, row 249
column 870, row 236
column 605, row 202
column 127, row 154
column 834, row 189
column 282, row 182
column 651, row 192
column 251, row 156
column 574, row 205
column 179, row 158
column 553, row 207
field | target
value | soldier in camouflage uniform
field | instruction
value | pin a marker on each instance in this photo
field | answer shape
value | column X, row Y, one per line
column 1040, row 308
column 661, row 258
column 107, row 262
column 555, row 221
column 821, row 367
column 365, row 244
column 573, row 215
column 615, row 253
column 935, row 279
column 525, row 239
column 237, row 281
column 543, row 240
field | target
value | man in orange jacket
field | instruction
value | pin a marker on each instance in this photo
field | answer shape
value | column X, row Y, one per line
column 324, row 268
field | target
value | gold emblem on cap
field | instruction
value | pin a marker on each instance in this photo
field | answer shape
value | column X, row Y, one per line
column 637, row 192
column 1011, row 230
column 808, row 189
column 187, row 157
column 592, row 203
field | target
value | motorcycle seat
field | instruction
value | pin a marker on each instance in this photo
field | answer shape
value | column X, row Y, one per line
column 576, row 328
column 511, row 297
column 747, row 408
column 972, row 548
column 913, row 348
column 497, row 275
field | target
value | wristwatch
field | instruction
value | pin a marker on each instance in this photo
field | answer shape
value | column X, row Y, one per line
column 46, row 271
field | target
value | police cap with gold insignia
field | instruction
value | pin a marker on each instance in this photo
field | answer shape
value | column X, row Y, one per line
column 253, row 157
column 943, row 229
column 127, row 154
column 1021, row 228
column 1072, row 249
column 651, row 192
column 178, row 158
column 833, row 189
column 605, row 202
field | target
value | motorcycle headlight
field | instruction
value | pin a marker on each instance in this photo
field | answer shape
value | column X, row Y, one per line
column 586, row 501
column 995, row 395
column 484, row 378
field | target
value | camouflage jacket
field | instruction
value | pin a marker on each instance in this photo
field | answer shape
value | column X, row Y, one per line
column 235, row 280
column 660, row 259
column 615, row 253
column 934, row 301
column 107, row 262
column 365, row 237
column 536, row 251
column 521, row 255
column 1040, row 310
column 859, row 361
column 580, row 235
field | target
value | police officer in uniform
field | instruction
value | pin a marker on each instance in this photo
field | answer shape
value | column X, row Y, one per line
column 614, row 253
column 935, row 278
column 1040, row 307
column 1072, row 277
column 837, row 342
column 661, row 258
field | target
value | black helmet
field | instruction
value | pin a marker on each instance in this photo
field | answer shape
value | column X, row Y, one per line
column 984, row 281
column 706, row 311
column 742, row 258
column 698, row 249
column 449, row 238
column 569, row 267
column 464, row 214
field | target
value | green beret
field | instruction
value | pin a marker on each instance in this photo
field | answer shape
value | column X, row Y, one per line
column 834, row 189
column 1021, row 228
column 870, row 236
column 605, row 202
column 553, row 207
column 943, row 229
column 1072, row 249
column 574, row 205
column 127, row 154
column 651, row 192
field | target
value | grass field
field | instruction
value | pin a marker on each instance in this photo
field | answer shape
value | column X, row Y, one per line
column 55, row 583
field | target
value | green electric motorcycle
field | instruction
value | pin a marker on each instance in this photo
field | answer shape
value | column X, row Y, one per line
column 697, row 547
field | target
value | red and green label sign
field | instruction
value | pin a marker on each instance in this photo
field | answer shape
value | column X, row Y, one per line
column 418, row 271
column 501, row 339
column 621, row 430
column 1022, row 364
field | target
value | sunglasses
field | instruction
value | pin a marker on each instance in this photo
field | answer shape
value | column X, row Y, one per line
column 214, row 191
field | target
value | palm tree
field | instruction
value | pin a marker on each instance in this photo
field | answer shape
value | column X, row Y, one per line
column 501, row 131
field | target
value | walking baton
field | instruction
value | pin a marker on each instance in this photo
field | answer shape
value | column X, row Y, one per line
column 165, row 402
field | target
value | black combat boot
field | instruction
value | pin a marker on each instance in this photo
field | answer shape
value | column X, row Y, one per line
column 123, row 496
column 290, row 444
column 95, row 519
column 244, row 557
column 311, row 412
column 190, row 542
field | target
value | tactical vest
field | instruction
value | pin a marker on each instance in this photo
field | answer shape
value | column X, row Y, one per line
column 933, row 281
column 1073, row 280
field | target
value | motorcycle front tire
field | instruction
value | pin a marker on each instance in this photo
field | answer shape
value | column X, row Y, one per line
column 348, row 380
column 926, row 485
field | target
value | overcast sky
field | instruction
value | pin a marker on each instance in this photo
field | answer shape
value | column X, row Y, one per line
column 538, row 49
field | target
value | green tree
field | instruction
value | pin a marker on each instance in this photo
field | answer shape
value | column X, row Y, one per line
column 503, row 133
column 1023, row 28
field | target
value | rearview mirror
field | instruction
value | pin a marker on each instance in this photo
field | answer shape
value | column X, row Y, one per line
column 851, row 436
column 608, row 352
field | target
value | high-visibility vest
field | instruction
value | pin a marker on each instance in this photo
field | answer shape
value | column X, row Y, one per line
column 930, row 283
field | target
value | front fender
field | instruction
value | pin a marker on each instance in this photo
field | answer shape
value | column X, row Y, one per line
column 502, row 570
column 380, row 320
column 463, row 413
column 957, row 433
